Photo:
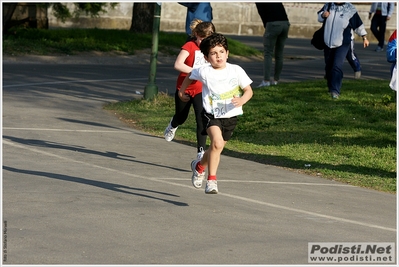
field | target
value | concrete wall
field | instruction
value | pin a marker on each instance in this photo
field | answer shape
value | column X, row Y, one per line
column 236, row 18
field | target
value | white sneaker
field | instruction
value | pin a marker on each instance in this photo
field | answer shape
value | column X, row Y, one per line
column 169, row 132
column 197, row 177
column 263, row 84
column 274, row 82
column 211, row 187
column 358, row 74
column 200, row 154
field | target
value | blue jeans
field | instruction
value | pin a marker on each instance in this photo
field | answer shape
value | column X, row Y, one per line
column 335, row 58
column 276, row 33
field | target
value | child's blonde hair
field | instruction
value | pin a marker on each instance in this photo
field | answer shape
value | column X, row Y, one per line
column 201, row 28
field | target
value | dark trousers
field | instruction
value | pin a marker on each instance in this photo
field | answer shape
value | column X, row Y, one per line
column 274, row 37
column 335, row 58
column 182, row 109
column 352, row 58
column 378, row 27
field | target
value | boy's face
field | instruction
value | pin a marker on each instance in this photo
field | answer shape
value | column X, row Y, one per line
column 217, row 57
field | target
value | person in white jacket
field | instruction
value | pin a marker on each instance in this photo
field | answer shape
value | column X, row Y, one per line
column 340, row 19
column 382, row 13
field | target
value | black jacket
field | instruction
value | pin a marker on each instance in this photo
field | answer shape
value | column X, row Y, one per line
column 271, row 12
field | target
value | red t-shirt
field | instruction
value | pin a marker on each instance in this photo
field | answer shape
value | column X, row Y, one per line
column 194, row 59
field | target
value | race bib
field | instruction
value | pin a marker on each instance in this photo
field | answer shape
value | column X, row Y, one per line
column 225, row 109
column 199, row 60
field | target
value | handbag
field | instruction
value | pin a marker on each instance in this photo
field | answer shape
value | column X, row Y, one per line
column 318, row 39
column 318, row 36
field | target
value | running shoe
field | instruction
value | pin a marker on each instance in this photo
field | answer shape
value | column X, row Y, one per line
column 200, row 154
column 211, row 187
column 197, row 177
column 169, row 132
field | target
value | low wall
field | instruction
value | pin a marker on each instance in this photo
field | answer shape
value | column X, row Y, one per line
column 235, row 18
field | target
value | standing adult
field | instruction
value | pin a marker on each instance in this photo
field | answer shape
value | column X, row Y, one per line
column 277, row 25
column 382, row 12
column 341, row 19
column 201, row 11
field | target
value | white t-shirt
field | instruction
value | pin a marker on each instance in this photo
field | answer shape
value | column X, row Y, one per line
column 219, row 86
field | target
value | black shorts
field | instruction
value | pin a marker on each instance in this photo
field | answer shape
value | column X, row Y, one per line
column 226, row 125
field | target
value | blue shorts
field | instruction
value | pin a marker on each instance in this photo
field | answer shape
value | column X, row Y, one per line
column 226, row 125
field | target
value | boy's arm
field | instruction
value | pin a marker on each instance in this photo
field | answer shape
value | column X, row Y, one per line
column 186, row 82
column 240, row 101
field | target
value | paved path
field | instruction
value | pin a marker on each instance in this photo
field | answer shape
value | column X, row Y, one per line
column 80, row 187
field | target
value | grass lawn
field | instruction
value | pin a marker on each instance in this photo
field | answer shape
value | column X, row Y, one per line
column 298, row 126
column 71, row 41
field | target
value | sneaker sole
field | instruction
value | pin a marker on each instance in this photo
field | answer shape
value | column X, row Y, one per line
column 213, row 192
column 196, row 186
column 192, row 177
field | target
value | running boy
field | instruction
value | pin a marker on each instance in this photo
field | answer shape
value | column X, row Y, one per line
column 189, row 58
column 225, row 89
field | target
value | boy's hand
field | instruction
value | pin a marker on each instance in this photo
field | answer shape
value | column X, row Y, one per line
column 237, row 101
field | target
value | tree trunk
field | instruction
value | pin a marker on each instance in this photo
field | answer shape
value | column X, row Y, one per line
column 8, row 11
column 28, row 14
column 143, row 17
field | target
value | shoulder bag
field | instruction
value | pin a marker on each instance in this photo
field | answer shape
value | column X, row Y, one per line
column 318, row 37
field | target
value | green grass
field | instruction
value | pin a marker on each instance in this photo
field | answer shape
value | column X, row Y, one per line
column 72, row 41
column 294, row 125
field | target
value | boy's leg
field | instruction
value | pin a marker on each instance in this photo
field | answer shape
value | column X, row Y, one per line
column 213, row 157
column 215, row 149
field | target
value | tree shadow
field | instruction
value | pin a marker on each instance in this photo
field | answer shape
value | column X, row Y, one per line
column 89, row 123
column 286, row 162
column 104, row 185
column 108, row 154
column 300, row 164
column 105, row 125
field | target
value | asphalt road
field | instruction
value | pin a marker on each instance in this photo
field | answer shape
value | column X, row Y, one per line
column 81, row 187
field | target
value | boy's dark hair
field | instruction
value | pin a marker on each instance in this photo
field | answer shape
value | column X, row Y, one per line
column 212, row 41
